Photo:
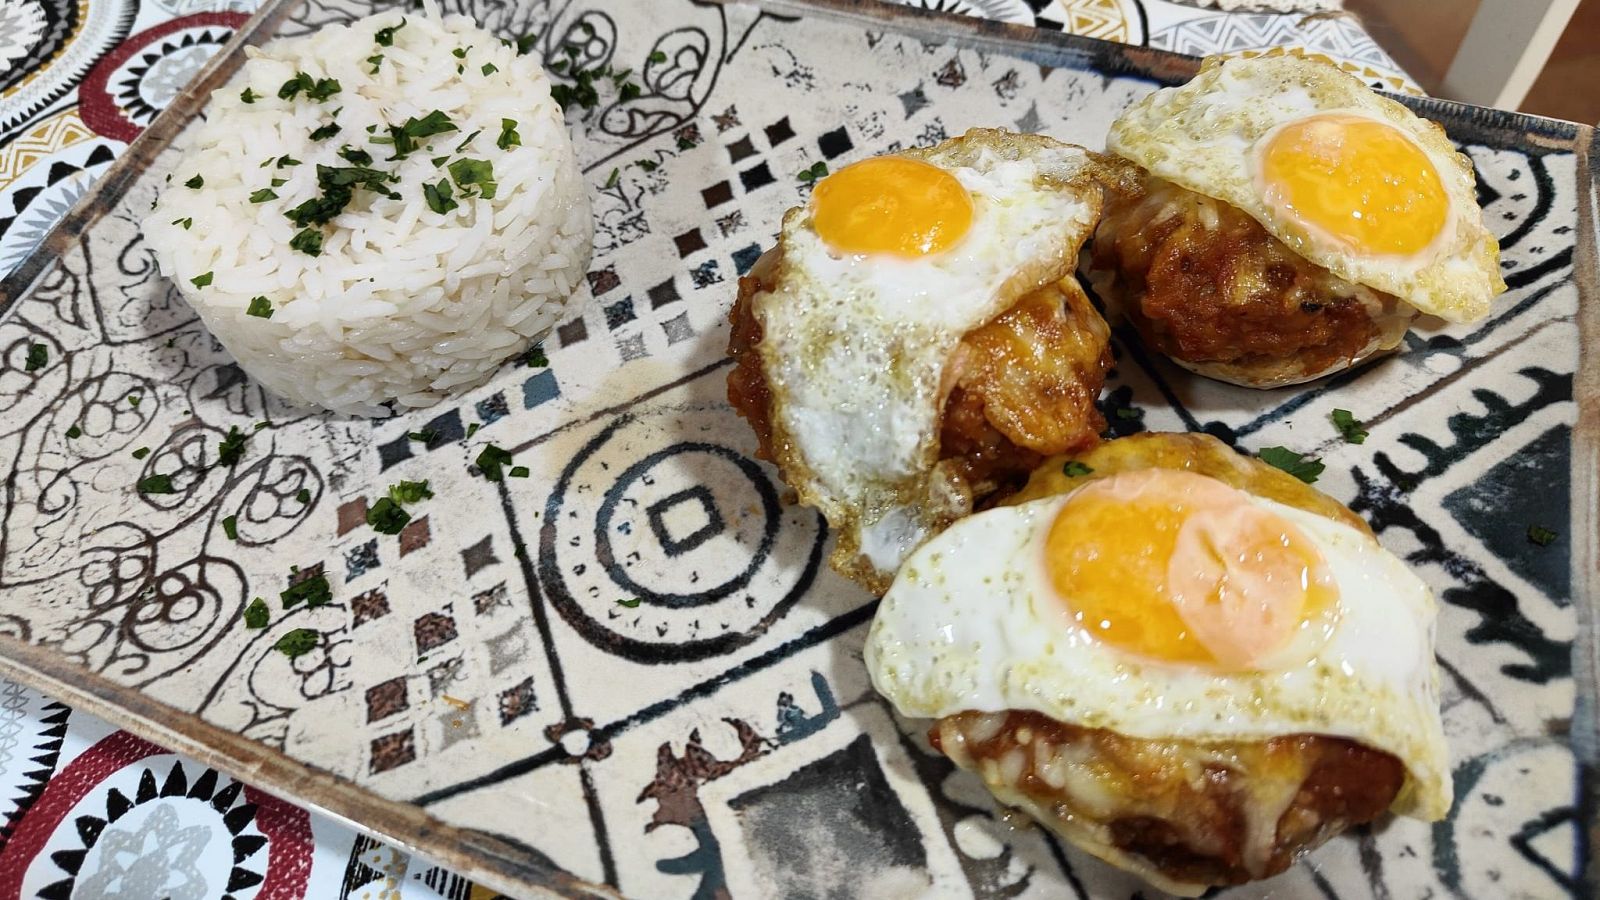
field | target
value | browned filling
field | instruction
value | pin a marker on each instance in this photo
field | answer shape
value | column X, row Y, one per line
column 1205, row 283
column 1020, row 388
column 1206, row 814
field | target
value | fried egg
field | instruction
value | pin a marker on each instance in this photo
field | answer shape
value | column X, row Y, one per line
column 1175, row 590
column 1350, row 180
column 874, row 283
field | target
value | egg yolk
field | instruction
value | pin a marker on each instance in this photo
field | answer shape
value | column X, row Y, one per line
column 891, row 204
column 1361, row 182
column 1178, row 567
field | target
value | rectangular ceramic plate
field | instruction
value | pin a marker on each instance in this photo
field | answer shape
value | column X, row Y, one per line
column 481, row 696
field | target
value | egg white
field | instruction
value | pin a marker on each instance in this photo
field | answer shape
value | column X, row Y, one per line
column 854, row 346
column 973, row 623
column 1204, row 136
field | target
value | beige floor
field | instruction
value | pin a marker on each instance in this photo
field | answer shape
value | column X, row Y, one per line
column 1422, row 35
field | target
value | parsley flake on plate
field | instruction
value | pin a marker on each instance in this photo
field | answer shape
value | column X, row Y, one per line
column 230, row 527
column 256, row 614
column 1540, row 535
column 260, row 307
column 1299, row 465
column 491, row 461
column 156, row 484
column 1075, row 469
column 611, row 182
column 263, row 195
column 312, row 591
column 141, row 453
column 231, row 450
column 490, row 68
column 657, row 57
column 297, row 643
column 38, row 357
column 387, row 516
column 303, row 495
column 248, row 96
column 1350, row 428
column 195, row 183
column 186, row 222
column 818, row 170
column 518, row 472
column 630, row 602
column 201, row 281
column 74, row 432
column 410, row 491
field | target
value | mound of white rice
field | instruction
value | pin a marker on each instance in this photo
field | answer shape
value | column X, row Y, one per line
column 386, row 278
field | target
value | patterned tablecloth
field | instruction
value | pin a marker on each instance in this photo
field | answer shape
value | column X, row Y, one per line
column 120, row 817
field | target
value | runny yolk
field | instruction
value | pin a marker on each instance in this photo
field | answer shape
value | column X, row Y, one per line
column 1361, row 182
column 891, row 204
column 1178, row 567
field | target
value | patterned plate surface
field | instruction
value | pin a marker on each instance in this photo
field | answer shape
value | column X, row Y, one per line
column 719, row 736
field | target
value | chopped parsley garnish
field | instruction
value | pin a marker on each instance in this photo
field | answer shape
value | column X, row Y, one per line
column 1075, row 469
column 459, row 53
column 200, row 281
column 325, row 132
column 186, row 222
column 582, row 92
column 323, row 89
column 1299, row 465
column 630, row 91
column 248, row 96
column 611, row 182
column 141, row 453
column 630, row 603
column 195, row 183
column 308, row 242
column 438, row 161
column 508, row 135
column 1349, row 426
column 490, row 68
column 658, row 57
column 407, row 135
column 385, row 36
column 230, row 527
column 134, row 400
column 38, row 357
column 285, row 161
column 376, row 60
column 518, row 472
column 263, row 195
column 438, row 196
column 312, row 591
column 1538, row 534
column 351, row 154
column 74, row 432
column 156, row 484
column 297, row 643
column 491, row 461
column 387, row 516
column 648, row 165
column 472, row 429
column 256, row 614
column 535, row 357
column 467, row 140
column 300, row 82
column 410, row 491
column 231, row 450
column 260, row 307
column 425, row 437
column 279, row 182
column 303, row 495
column 526, row 42
column 818, row 170
column 477, row 172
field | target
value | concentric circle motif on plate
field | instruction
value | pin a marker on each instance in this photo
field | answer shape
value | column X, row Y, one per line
column 662, row 545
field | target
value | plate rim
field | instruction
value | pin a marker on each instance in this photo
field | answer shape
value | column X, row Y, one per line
column 500, row 864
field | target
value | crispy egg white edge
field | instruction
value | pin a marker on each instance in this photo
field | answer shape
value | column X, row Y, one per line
column 855, row 372
column 946, row 639
column 1180, row 134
